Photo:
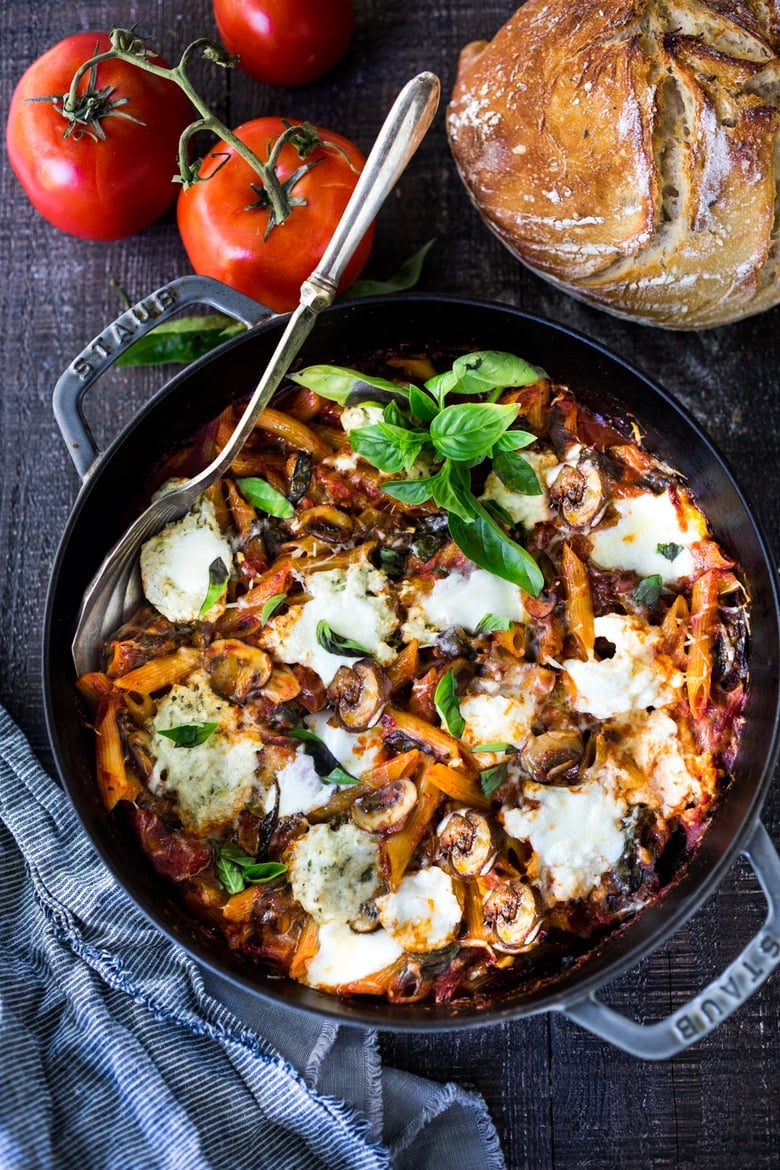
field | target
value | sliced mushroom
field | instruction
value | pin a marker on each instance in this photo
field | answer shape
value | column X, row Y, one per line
column 578, row 492
column 385, row 808
column 367, row 920
column 358, row 694
column 510, row 911
column 466, row 842
column 238, row 671
column 327, row 523
column 552, row 756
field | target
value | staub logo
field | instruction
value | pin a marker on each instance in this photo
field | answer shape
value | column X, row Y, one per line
column 722, row 997
column 123, row 332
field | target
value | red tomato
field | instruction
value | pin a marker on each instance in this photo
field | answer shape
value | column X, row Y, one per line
column 285, row 42
column 102, row 189
column 225, row 237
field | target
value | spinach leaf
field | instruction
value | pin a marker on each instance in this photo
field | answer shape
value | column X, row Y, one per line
column 649, row 590
column 671, row 551
column 326, row 765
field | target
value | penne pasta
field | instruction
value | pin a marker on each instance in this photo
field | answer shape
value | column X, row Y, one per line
column 579, row 603
column 704, row 601
column 161, row 672
column 397, row 849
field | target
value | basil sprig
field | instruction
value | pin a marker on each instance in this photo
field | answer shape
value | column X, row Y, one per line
column 451, row 438
column 326, row 765
column 218, row 579
column 236, row 869
column 337, row 644
column 445, row 700
column 188, row 734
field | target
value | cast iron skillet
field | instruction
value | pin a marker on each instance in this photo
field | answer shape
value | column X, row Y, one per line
column 115, row 488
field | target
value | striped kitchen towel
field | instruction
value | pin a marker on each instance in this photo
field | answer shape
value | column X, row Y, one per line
column 119, row 1053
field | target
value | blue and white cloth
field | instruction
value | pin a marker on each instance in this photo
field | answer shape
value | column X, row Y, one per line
column 117, row 1052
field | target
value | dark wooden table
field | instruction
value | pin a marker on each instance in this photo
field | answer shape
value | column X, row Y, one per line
column 561, row 1098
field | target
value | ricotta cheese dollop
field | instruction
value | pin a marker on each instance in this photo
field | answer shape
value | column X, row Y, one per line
column 175, row 563
column 356, row 604
column 211, row 781
column 333, row 872
column 638, row 675
column 576, row 834
column 423, row 914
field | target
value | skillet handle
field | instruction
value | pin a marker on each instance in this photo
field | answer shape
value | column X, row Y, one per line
column 116, row 338
column 719, row 999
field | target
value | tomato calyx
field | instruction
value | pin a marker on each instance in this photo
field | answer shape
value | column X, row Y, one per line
column 305, row 138
column 85, row 112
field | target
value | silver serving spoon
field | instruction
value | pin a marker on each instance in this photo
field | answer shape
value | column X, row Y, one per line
column 116, row 588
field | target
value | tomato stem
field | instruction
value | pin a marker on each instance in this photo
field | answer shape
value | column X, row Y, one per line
column 128, row 47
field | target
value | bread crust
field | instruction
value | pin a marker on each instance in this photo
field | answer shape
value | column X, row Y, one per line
column 629, row 152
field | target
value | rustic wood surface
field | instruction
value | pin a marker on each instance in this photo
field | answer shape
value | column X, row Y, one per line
column 561, row 1098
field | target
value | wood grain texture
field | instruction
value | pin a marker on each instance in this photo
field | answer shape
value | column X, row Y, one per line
column 562, row 1099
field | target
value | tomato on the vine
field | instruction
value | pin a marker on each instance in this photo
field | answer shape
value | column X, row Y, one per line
column 285, row 42
column 228, row 228
column 109, row 172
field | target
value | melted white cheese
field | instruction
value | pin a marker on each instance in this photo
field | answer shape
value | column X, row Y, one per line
column 645, row 522
column 175, row 564
column 334, row 871
column 211, row 781
column 460, row 600
column 355, row 602
column 527, row 510
column 423, row 914
column 300, row 788
column 496, row 717
column 344, row 957
column 357, row 751
column 652, row 741
column 576, row 834
column 638, row 675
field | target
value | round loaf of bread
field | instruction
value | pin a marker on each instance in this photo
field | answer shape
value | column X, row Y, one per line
column 628, row 151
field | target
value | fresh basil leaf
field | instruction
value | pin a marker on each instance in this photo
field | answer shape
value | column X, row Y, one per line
column 422, row 405
column 338, row 383
column 372, row 443
column 230, row 875
column 649, row 590
column 395, row 416
column 326, row 765
column 491, row 622
column 271, row 606
column 515, row 440
column 337, row 775
column 497, row 746
column 261, row 495
column 470, row 429
column 492, row 778
column 516, row 473
column 406, row 277
column 445, row 700
column 440, row 385
column 411, row 492
column 189, row 734
column 451, row 488
column 489, row 369
column 337, row 644
column 498, row 512
column 486, row 544
column 181, row 341
column 408, row 443
column 671, row 551
column 218, row 579
column 263, row 871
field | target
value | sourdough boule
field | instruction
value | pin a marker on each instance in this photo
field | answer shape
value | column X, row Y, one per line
column 628, row 151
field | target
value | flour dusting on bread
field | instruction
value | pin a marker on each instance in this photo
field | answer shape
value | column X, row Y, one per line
column 630, row 152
